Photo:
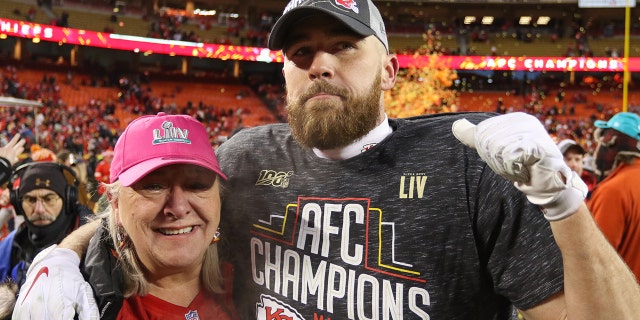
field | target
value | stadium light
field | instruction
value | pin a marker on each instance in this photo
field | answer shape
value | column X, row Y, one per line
column 525, row 20
column 469, row 19
column 543, row 20
column 487, row 20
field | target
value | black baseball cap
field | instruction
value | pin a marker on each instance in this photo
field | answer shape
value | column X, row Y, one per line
column 43, row 175
column 361, row 16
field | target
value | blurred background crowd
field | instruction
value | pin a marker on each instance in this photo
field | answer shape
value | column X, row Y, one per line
column 89, row 95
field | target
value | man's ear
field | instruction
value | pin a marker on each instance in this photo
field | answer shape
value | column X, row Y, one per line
column 390, row 72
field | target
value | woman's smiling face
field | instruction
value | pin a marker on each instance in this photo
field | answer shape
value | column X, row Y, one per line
column 171, row 216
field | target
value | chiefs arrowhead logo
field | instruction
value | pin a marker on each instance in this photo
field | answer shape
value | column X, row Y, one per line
column 270, row 308
column 349, row 5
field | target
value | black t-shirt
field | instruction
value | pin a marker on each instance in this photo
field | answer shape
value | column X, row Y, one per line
column 417, row 227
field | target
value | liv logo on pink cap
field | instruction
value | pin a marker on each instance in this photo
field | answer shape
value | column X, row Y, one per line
column 153, row 141
column 169, row 133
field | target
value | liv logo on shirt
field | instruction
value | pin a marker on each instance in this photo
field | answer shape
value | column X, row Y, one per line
column 412, row 185
column 192, row 315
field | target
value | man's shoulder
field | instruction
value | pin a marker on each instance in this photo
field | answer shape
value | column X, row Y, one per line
column 267, row 129
column 446, row 118
column 257, row 137
column 434, row 125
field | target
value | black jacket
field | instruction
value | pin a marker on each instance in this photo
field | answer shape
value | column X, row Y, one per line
column 104, row 274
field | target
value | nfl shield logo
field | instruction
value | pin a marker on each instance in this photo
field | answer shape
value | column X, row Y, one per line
column 192, row 315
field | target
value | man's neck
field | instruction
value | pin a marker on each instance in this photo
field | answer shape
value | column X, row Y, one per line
column 363, row 144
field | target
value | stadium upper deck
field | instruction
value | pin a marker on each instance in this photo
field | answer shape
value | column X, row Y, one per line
column 569, row 30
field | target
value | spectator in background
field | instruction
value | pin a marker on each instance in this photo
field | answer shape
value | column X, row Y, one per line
column 589, row 172
column 31, row 14
column 49, row 205
column 76, row 163
column 39, row 154
column 574, row 157
column 103, row 169
column 64, row 19
column 615, row 202
column 8, row 157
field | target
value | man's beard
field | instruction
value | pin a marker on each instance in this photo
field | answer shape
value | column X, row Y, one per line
column 331, row 124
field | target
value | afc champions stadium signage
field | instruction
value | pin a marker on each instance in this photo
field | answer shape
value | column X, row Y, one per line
column 29, row 30
column 538, row 63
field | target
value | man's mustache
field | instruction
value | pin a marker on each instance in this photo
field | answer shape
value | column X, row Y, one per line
column 42, row 217
column 323, row 87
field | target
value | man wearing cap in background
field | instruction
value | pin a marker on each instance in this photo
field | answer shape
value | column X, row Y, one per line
column 615, row 202
column 48, row 204
column 347, row 214
column 574, row 156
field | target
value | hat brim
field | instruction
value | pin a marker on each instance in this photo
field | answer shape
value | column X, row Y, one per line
column 601, row 124
column 140, row 170
column 283, row 25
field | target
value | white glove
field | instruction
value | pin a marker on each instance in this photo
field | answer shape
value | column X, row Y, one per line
column 55, row 289
column 517, row 147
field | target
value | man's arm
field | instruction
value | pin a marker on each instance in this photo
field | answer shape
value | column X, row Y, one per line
column 597, row 283
column 54, row 287
column 78, row 240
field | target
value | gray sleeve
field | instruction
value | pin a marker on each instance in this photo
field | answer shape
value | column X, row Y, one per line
column 517, row 244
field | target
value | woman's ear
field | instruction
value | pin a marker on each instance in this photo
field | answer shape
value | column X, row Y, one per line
column 113, row 202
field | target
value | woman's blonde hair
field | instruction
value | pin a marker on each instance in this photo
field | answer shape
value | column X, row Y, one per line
column 134, row 280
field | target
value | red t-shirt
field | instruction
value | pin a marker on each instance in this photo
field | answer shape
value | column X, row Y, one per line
column 615, row 205
column 101, row 174
column 148, row 307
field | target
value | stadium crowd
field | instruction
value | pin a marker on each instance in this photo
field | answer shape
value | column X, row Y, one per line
column 89, row 129
column 83, row 135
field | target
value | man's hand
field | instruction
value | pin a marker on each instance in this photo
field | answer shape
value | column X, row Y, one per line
column 13, row 149
column 517, row 147
column 55, row 289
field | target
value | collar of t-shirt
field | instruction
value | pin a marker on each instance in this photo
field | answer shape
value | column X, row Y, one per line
column 363, row 144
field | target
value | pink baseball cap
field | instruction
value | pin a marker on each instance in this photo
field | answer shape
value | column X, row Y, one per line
column 151, row 142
